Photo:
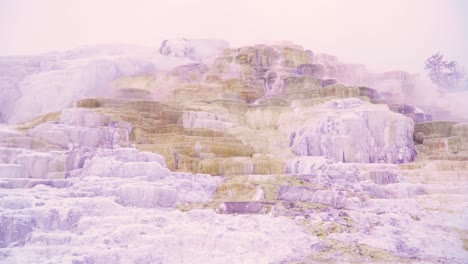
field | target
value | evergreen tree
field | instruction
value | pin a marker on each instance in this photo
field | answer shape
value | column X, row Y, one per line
column 443, row 73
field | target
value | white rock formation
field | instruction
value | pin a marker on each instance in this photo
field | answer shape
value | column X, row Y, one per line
column 307, row 180
column 46, row 220
column 35, row 85
column 194, row 49
column 83, row 117
column 200, row 119
column 65, row 135
column 80, row 127
column 72, row 233
column 350, row 130
column 20, row 163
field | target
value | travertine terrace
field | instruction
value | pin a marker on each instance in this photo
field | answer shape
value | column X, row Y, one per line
column 203, row 153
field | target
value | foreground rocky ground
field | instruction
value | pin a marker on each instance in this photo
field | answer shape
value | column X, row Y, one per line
column 259, row 155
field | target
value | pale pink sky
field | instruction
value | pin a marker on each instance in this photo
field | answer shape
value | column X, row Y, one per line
column 396, row 34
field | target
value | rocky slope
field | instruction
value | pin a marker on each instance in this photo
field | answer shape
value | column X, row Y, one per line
column 259, row 154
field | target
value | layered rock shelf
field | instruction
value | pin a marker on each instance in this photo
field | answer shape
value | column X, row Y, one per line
column 273, row 153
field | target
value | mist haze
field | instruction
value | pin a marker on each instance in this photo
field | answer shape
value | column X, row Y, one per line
column 383, row 35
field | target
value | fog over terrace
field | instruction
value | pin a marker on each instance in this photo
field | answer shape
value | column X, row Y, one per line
column 384, row 35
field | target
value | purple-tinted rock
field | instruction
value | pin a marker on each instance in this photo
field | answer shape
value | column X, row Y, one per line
column 242, row 208
column 412, row 112
column 328, row 82
column 294, row 193
column 384, row 176
column 369, row 92
column 190, row 72
column 376, row 191
column 14, row 230
column 336, row 199
column 354, row 132
column 315, row 70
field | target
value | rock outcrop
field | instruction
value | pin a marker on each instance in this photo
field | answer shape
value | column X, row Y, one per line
column 442, row 140
column 194, row 49
column 351, row 131
column 270, row 152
